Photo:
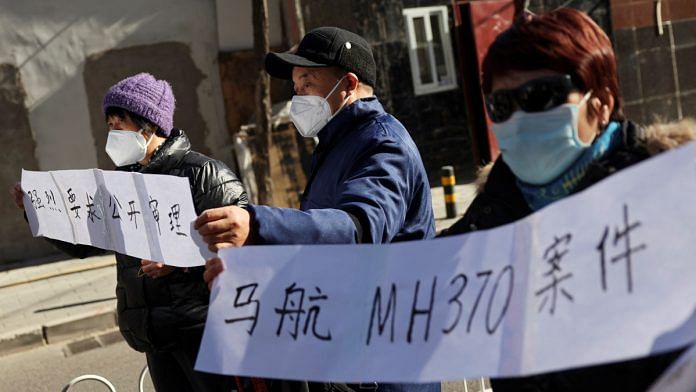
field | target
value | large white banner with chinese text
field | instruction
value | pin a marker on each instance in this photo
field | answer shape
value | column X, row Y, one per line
column 149, row 216
column 606, row 275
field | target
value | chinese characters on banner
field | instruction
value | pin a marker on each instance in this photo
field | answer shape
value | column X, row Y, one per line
column 142, row 215
column 604, row 275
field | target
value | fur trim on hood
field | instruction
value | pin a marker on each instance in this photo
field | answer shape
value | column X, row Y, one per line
column 482, row 176
column 661, row 137
column 656, row 138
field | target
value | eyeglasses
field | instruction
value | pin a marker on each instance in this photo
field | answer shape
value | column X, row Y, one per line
column 536, row 95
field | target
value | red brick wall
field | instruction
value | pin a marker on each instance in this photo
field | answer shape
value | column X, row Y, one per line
column 641, row 13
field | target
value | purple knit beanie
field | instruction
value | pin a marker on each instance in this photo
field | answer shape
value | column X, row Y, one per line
column 145, row 96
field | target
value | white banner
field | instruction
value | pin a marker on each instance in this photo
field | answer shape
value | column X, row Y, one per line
column 605, row 275
column 148, row 216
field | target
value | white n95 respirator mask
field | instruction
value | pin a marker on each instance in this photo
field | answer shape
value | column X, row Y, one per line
column 126, row 147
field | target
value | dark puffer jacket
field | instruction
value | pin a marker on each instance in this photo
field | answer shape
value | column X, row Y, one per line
column 156, row 314
column 500, row 202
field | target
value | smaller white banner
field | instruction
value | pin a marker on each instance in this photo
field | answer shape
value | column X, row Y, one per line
column 148, row 216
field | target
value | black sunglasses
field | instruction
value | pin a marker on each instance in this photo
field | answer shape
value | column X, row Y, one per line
column 536, row 95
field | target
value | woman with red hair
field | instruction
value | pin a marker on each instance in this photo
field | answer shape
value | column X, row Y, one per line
column 552, row 94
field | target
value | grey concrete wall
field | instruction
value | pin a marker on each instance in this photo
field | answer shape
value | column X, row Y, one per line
column 50, row 43
column 17, row 152
column 50, row 40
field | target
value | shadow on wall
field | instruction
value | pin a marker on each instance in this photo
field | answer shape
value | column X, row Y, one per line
column 16, row 242
column 238, row 72
column 170, row 61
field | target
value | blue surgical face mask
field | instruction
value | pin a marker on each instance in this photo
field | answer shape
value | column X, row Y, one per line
column 539, row 147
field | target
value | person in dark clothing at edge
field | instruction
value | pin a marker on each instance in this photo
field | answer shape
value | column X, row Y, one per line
column 552, row 94
column 161, row 309
column 367, row 182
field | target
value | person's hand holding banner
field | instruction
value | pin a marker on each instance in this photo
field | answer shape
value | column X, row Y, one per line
column 154, row 269
column 224, row 227
column 213, row 267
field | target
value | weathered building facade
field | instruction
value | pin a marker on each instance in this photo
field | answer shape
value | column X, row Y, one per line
column 655, row 44
column 436, row 119
column 61, row 55
column 58, row 59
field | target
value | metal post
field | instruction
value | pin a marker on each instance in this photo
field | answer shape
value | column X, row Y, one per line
column 448, row 183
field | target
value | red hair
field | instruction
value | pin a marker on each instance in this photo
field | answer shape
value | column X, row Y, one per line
column 566, row 41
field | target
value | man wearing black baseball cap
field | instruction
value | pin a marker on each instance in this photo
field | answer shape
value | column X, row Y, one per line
column 327, row 47
column 367, row 183
column 325, row 58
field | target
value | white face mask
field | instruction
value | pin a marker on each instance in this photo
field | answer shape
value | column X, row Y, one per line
column 126, row 147
column 310, row 113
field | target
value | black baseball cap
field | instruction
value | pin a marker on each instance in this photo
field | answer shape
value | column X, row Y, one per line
column 327, row 47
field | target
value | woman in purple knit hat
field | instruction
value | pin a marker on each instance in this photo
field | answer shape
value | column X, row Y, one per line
column 161, row 309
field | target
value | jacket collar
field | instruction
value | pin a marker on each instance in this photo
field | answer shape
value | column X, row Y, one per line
column 169, row 154
column 348, row 119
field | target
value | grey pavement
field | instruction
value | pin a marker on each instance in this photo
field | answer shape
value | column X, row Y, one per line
column 64, row 300
column 58, row 301
column 464, row 195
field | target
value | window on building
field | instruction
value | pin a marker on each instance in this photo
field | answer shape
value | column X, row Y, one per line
column 430, row 50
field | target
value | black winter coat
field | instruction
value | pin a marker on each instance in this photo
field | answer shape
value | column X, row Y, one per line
column 156, row 314
column 500, row 203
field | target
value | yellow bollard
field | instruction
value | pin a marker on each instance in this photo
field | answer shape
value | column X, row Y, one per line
column 448, row 183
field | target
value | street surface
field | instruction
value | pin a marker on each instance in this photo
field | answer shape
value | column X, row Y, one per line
column 48, row 369
column 39, row 295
